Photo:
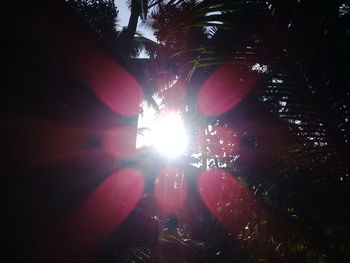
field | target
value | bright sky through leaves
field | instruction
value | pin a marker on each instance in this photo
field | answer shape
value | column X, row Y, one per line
column 123, row 20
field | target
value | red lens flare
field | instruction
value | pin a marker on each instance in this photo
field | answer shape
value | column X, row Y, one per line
column 249, row 221
column 44, row 143
column 171, row 190
column 88, row 59
column 103, row 211
column 227, row 199
column 224, row 89
column 111, row 83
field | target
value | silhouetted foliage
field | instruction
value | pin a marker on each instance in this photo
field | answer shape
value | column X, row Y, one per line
column 101, row 15
column 297, row 142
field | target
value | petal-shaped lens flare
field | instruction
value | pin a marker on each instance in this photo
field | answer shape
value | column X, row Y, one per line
column 103, row 211
column 227, row 199
column 217, row 142
column 120, row 141
column 255, row 226
column 39, row 143
column 111, row 83
column 88, row 59
column 224, row 89
column 171, row 190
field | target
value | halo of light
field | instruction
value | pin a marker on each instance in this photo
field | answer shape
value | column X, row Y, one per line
column 167, row 133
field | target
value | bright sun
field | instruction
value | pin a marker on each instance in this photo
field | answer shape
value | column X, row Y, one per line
column 165, row 131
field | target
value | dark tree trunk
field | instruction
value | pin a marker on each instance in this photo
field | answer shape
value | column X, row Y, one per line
column 131, row 29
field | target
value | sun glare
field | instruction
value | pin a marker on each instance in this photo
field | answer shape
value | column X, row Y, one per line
column 165, row 131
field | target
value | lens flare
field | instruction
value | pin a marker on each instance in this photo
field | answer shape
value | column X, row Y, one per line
column 224, row 89
column 100, row 214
